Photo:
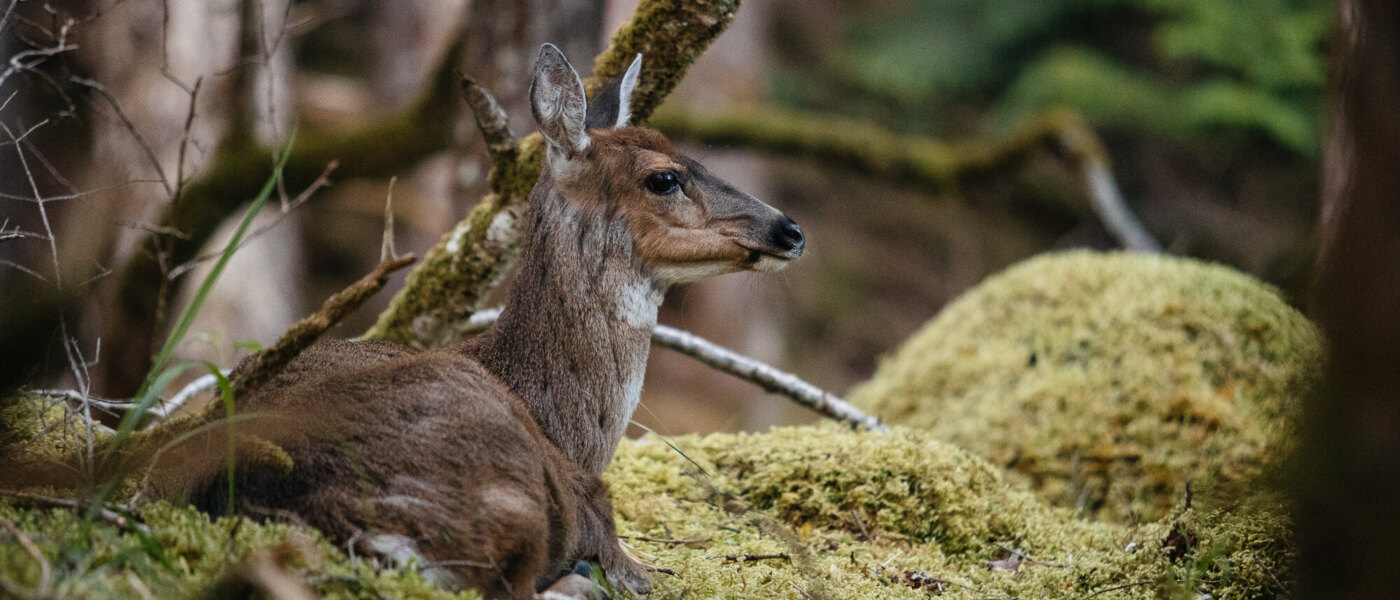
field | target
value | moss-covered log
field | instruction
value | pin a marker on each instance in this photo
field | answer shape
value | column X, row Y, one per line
column 471, row 259
column 940, row 167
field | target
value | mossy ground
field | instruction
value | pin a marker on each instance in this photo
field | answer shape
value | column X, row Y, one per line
column 857, row 515
column 1203, row 356
column 1109, row 380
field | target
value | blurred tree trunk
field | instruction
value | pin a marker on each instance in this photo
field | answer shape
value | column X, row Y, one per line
column 1350, row 459
column 500, row 43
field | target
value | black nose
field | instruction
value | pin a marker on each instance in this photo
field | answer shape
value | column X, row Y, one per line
column 787, row 235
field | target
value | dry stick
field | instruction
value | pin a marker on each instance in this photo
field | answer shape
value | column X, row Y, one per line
column 1117, row 587
column 130, row 127
column 935, row 165
column 764, row 375
column 642, row 538
column 268, row 363
column 45, row 569
column 750, row 557
column 105, row 513
column 322, row 181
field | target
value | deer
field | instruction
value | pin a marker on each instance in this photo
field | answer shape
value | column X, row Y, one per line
column 482, row 462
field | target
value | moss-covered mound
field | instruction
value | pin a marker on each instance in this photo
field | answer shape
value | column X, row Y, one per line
column 797, row 513
column 1108, row 381
column 860, row 515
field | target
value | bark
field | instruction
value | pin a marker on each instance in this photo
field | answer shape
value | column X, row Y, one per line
column 1350, row 460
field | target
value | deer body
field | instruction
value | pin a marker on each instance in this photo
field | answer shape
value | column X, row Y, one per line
column 484, row 461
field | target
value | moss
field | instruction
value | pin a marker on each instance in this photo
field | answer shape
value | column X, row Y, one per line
column 925, row 508
column 1108, row 381
column 849, row 515
column 940, row 167
column 34, row 428
column 185, row 553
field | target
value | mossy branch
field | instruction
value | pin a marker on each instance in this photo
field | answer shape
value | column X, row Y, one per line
column 938, row 166
column 268, row 363
column 469, row 261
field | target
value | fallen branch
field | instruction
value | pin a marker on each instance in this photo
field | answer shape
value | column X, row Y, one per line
column 669, row 542
column 105, row 513
column 764, row 375
column 267, row 364
column 733, row 558
column 938, row 166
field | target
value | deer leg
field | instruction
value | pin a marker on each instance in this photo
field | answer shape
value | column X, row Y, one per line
column 598, row 538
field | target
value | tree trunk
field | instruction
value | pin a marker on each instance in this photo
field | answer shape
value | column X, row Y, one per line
column 1350, row 459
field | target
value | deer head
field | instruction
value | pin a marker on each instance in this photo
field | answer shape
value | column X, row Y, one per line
column 685, row 223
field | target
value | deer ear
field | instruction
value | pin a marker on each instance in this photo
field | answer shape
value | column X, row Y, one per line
column 611, row 108
column 558, row 103
column 624, row 92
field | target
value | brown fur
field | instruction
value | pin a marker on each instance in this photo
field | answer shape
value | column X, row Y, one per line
column 491, row 454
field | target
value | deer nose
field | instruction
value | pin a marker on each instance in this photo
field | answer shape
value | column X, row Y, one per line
column 787, row 235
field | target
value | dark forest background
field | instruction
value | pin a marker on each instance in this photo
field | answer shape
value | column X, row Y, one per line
column 1210, row 113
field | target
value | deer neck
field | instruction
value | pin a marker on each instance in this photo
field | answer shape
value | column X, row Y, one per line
column 574, row 336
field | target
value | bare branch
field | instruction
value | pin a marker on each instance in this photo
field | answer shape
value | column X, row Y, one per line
column 757, row 372
column 935, row 165
column 107, row 514
column 322, row 181
column 43, row 213
column 1113, row 211
column 268, row 363
column 130, row 127
column 17, row 63
column 386, row 248
column 491, row 119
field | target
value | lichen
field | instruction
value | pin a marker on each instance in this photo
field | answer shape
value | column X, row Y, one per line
column 1107, row 381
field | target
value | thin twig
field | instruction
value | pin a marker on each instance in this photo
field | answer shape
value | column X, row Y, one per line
column 642, row 538
column 184, row 144
column 1117, row 587
column 268, row 363
column 749, row 369
column 43, row 213
column 386, row 249
column 1267, row 571
column 322, row 181
column 130, row 127
column 1113, row 211
column 733, row 558
column 107, row 514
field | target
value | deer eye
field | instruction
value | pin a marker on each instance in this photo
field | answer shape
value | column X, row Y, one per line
column 664, row 183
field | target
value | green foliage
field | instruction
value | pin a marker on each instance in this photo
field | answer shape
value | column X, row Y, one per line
column 1109, row 381
column 1184, row 70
